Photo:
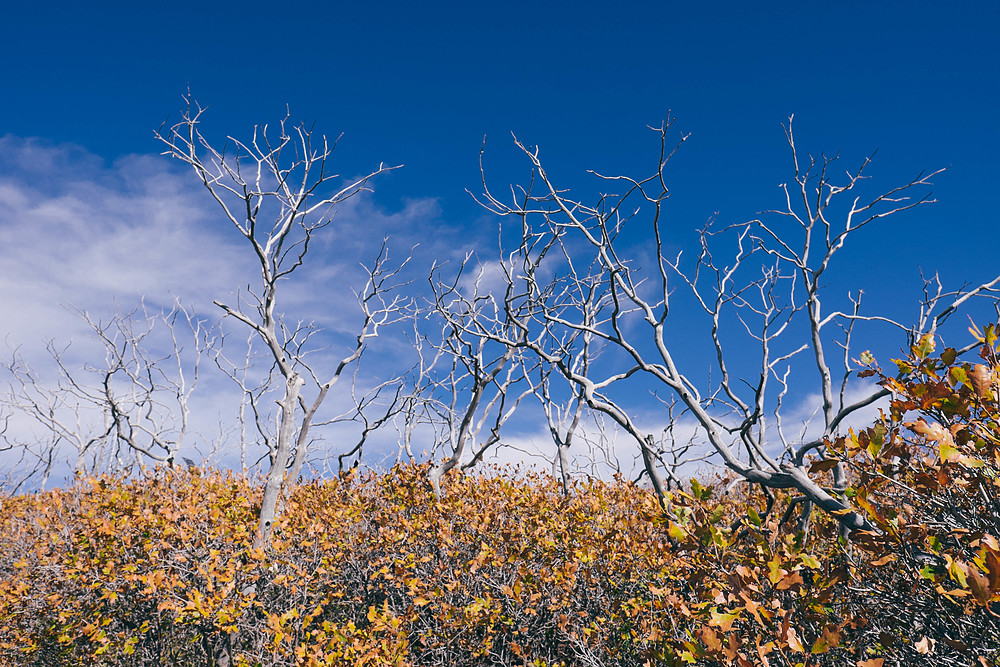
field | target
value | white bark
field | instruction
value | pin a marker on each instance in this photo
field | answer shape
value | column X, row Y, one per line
column 278, row 191
column 598, row 292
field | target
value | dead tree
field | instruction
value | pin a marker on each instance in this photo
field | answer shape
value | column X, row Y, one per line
column 277, row 190
column 476, row 377
column 131, row 410
column 763, row 291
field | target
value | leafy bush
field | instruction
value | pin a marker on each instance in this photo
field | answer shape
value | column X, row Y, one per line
column 373, row 570
column 928, row 479
column 369, row 569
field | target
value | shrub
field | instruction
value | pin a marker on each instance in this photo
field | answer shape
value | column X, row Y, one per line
column 371, row 569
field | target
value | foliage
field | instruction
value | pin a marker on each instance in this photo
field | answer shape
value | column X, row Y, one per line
column 508, row 569
column 927, row 476
column 373, row 570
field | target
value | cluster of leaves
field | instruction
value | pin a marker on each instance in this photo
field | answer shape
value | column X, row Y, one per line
column 506, row 569
column 927, row 476
column 373, row 570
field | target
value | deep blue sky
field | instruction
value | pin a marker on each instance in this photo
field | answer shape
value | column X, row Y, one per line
column 422, row 83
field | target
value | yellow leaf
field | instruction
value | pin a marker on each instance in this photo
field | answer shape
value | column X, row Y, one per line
column 924, row 346
column 723, row 621
column 676, row 532
column 957, row 571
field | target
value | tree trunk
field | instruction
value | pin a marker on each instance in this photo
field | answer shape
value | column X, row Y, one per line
column 275, row 482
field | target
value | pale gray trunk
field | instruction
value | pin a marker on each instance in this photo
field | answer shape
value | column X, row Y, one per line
column 562, row 454
column 274, row 484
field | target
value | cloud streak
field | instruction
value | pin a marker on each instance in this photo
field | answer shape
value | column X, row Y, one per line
column 77, row 232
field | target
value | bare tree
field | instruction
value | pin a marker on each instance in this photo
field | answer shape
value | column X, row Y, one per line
column 113, row 417
column 766, row 294
column 476, row 377
column 563, row 417
column 278, row 192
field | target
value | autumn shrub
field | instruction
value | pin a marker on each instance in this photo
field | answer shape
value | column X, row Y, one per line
column 927, row 476
column 505, row 569
column 372, row 570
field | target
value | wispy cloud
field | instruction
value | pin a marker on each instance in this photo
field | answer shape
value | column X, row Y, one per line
column 78, row 232
column 75, row 230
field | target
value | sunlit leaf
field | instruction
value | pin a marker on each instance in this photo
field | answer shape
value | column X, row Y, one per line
column 925, row 346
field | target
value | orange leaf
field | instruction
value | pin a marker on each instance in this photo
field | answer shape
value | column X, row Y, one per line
column 789, row 580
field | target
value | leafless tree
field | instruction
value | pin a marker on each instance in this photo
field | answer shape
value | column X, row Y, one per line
column 763, row 291
column 563, row 417
column 476, row 378
column 278, row 191
column 113, row 417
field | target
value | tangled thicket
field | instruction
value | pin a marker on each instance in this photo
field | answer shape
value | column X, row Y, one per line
column 505, row 569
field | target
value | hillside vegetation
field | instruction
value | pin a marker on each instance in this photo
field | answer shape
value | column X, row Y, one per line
column 506, row 569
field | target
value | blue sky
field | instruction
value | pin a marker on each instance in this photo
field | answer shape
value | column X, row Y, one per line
column 421, row 84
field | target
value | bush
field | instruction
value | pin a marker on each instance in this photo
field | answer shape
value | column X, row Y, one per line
column 371, row 570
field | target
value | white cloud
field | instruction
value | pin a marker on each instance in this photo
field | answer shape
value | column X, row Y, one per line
column 803, row 422
column 77, row 231
column 601, row 449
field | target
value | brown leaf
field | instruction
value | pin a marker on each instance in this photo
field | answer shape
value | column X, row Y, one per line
column 982, row 380
column 789, row 580
column 955, row 644
column 823, row 465
column 710, row 638
column 733, row 649
column 832, row 635
column 979, row 584
column 993, row 563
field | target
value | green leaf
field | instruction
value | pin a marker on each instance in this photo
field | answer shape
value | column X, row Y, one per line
column 903, row 365
column 809, row 561
column 959, row 376
column 716, row 515
column 875, row 443
column 948, row 452
column 676, row 532
column 867, row 358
